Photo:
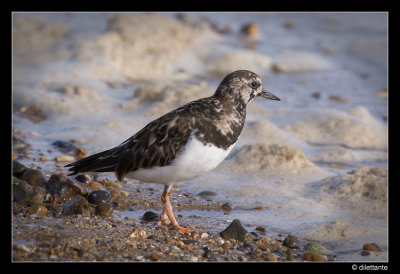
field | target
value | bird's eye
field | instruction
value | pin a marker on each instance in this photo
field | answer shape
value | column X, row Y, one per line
column 255, row 84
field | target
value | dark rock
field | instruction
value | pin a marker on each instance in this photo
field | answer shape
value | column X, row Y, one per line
column 261, row 229
column 65, row 187
column 83, row 178
column 33, row 177
column 18, row 169
column 150, row 216
column 207, row 253
column 104, row 209
column 19, row 144
column 77, row 205
column 99, row 196
column 25, row 193
column 207, row 193
column 234, row 231
column 365, row 253
column 64, row 146
column 226, row 207
column 190, row 241
column 291, row 241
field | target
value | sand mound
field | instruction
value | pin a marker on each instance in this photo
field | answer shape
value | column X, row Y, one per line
column 144, row 46
column 222, row 64
column 363, row 190
column 359, row 131
column 299, row 61
column 33, row 37
column 159, row 97
column 270, row 160
column 263, row 131
column 332, row 231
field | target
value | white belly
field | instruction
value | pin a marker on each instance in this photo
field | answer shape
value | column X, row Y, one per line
column 194, row 161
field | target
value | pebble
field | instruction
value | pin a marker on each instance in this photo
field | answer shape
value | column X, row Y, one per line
column 135, row 233
column 42, row 158
column 39, row 210
column 271, row 257
column 235, row 231
column 64, row 146
column 338, row 99
column 310, row 256
column 226, row 207
column 365, row 253
column 372, row 247
column 99, row 196
column 291, row 241
column 109, row 183
column 104, row 210
column 204, row 235
column 249, row 29
column 150, row 216
column 95, row 185
column 77, row 205
column 207, row 193
column 65, row 159
column 155, row 257
column 65, row 187
column 18, row 169
column 83, row 178
column 114, row 193
column 23, row 192
column 315, row 248
column 124, row 193
column 33, row 177
column 261, row 229
column 80, row 153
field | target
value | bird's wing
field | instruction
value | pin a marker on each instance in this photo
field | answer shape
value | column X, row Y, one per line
column 155, row 145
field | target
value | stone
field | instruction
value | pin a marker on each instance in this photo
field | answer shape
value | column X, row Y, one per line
column 310, row 256
column 315, row 248
column 39, row 210
column 234, row 231
column 65, row 187
column 150, row 216
column 291, row 241
column 271, row 257
column 207, row 193
column 77, row 205
column 64, row 146
column 18, row 169
column 372, row 247
column 83, row 178
column 95, row 185
column 25, row 193
column 33, row 177
column 99, row 196
column 80, row 153
column 104, row 209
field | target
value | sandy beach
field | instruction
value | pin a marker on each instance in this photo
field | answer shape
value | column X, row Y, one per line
column 307, row 180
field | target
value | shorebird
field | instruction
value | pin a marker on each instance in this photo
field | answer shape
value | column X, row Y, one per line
column 183, row 143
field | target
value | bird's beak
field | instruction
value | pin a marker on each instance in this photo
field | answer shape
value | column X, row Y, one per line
column 268, row 95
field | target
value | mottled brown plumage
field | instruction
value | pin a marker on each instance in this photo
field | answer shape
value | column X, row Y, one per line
column 218, row 120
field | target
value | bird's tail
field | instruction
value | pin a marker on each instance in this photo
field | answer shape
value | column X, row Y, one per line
column 99, row 162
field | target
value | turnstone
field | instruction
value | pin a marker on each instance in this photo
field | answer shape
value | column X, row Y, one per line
column 184, row 143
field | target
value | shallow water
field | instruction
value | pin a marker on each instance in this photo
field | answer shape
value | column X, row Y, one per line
column 98, row 82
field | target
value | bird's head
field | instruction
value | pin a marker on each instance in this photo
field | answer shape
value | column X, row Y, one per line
column 242, row 86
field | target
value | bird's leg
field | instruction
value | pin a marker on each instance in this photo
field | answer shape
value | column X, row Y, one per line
column 167, row 212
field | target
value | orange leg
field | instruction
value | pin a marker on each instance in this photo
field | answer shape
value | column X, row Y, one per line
column 167, row 216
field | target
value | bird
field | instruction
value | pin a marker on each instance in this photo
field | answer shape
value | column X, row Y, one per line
column 184, row 143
